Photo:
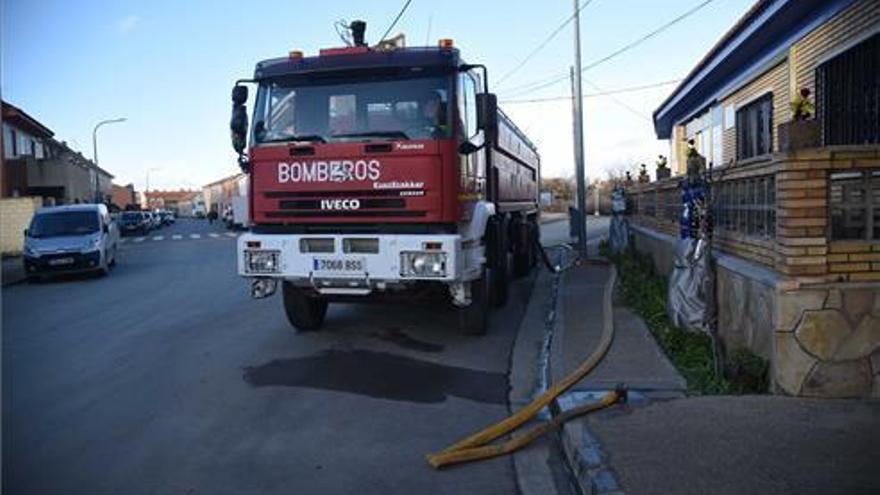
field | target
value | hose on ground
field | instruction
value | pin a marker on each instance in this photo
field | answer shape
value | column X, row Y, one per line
column 475, row 446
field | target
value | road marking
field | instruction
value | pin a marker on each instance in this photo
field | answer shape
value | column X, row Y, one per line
column 214, row 235
column 158, row 237
column 195, row 236
column 231, row 234
column 177, row 237
column 139, row 239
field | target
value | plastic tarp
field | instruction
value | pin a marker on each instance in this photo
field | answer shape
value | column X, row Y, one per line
column 618, row 234
column 689, row 302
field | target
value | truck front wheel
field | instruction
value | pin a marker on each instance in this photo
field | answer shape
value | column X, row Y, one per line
column 473, row 319
column 304, row 312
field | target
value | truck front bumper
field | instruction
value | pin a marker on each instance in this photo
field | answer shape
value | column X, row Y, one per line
column 355, row 264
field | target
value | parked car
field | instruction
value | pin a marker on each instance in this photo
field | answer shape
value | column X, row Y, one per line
column 167, row 217
column 154, row 220
column 74, row 238
column 134, row 222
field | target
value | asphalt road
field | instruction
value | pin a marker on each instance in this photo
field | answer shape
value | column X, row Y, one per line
column 166, row 378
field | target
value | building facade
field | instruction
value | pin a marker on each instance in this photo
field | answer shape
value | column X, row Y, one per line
column 796, row 198
column 35, row 164
column 171, row 200
column 218, row 194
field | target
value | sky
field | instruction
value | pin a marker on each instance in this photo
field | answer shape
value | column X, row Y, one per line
column 168, row 67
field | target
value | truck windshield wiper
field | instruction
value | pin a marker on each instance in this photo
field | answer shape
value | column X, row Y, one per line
column 376, row 134
column 313, row 138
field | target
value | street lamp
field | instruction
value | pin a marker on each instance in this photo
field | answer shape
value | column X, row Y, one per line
column 95, row 153
column 147, row 186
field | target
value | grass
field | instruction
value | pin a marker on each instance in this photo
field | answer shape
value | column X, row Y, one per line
column 691, row 352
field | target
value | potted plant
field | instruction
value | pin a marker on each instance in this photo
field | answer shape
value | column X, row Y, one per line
column 643, row 174
column 663, row 171
column 696, row 163
column 803, row 130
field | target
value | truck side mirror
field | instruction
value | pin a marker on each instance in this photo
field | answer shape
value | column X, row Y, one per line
column 487, row 113
column 239, row 122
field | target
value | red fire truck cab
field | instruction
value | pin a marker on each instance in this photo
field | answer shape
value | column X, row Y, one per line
column 380, row 173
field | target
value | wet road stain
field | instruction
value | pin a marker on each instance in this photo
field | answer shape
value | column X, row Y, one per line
column 380, row 375
column 397, row 336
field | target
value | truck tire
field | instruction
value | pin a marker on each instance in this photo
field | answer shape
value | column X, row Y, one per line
column 523, row 254
column 474, row 318
column 500, row 264
column 304, row 312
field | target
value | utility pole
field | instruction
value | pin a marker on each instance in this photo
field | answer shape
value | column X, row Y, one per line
column 579, row 137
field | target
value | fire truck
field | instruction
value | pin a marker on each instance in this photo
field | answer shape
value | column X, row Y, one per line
column 382, row 173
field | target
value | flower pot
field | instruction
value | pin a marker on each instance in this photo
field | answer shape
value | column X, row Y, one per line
column 664, row 173
column 799, row 134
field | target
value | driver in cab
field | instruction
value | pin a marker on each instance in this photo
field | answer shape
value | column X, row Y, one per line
column 431, row 117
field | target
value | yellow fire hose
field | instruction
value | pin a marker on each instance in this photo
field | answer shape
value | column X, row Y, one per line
column 474, row 447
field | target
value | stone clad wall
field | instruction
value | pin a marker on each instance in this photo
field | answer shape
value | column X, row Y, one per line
column 828, row 342
column 807, row 303
column 15, row 216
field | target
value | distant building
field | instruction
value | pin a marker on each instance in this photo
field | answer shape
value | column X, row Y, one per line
column 218, row 194
column 35, row 164
column 124, row 196
column 169, row 200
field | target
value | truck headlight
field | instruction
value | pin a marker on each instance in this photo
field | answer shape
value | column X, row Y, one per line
column 262, row 261
column 422, row 264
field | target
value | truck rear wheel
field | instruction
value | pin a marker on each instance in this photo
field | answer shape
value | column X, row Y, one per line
column 304, row 312
column 523, row 253
column 499, row 262
column 474, row 318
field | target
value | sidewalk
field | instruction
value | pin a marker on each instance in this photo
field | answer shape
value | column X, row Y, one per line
column 662, row 441
column 550, row 217
column 13, row 271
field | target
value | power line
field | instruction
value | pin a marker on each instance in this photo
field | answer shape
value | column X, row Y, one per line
column 543, row 43
column 649, row 35
column 393, row 23
column 620, row 102
column 595, row 95
column 546, row 82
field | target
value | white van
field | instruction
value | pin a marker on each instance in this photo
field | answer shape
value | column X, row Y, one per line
column 74, row 238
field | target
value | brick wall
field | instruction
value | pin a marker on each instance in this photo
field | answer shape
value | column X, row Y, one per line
column 15, row 215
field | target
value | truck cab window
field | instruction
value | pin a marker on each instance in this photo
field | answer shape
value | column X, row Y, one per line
column 468, row 105
column 353, row 110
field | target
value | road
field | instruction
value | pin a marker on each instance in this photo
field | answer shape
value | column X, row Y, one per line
column 166, row 378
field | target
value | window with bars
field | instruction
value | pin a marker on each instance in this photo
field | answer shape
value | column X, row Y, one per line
column 854, row 199
column 754, row 128
column 848, row 95
column 746, row 206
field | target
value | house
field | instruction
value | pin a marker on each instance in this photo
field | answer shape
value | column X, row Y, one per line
column 24, row 139
column 796, row 201
column 35, row 164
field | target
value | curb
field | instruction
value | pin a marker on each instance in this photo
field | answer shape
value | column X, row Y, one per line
column 581, row 449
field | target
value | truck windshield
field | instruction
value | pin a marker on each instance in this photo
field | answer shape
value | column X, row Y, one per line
column 353, row 111
column 66, row 223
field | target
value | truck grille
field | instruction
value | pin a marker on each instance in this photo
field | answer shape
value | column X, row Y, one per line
column 380, row 203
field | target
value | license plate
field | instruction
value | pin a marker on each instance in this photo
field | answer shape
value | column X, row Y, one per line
column 61, row 261
column 339, row 265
